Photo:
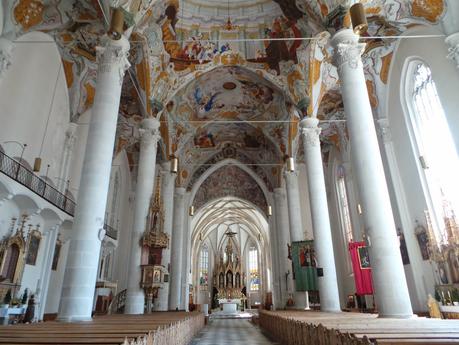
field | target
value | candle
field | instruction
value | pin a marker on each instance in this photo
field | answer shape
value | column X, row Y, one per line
column 449, row 296
column 443, row 297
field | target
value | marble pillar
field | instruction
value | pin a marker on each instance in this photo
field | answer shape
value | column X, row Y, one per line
column 149, row 136
column 283, row 239
column 328, row 285
column 295, row 221
column 175, row 286
column 391, row 290
column 167, row 191
column 88, row 227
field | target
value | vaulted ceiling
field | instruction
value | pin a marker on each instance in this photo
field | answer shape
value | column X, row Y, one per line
column 219, row 90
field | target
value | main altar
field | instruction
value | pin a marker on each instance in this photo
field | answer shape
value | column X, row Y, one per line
column 229, row 278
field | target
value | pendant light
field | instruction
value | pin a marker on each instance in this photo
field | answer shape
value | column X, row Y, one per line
column 37, row 162
column 116, row 25
column 358, row 18
column 270, row 211
column 191, row 211
column 291, row 164
column 174, row 165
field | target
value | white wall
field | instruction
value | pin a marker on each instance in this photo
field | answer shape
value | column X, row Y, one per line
column 26, row 100
column 410, row 199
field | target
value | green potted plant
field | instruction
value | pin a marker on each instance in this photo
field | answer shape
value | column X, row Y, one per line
column 455, row 296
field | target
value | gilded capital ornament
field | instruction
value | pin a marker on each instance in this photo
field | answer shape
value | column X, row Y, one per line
column 347, row 49
column 113, row 55
column 310, row 131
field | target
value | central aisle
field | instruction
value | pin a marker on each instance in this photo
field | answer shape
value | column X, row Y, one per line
column 231, row 332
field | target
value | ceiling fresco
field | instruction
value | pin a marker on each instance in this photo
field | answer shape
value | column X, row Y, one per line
column 194, row 76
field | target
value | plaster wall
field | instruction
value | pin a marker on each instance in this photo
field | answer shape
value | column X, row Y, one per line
column 32, row 91
column 407, row 186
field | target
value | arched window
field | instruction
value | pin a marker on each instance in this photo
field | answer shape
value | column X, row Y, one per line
column 204, row 268
column 253, row 269
column 343, row 204
column 433, row 143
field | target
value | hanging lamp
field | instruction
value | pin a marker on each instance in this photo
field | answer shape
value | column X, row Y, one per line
column 358, row 18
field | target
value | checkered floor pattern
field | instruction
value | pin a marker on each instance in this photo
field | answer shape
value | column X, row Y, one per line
column 231, row 332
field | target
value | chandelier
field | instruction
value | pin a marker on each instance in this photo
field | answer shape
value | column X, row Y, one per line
column 229, row 26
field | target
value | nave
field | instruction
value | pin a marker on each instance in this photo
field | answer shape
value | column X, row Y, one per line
column 231, row 331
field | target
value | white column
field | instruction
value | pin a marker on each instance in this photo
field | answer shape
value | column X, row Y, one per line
column 295, row 221
column 274, row 264
column 167, row 191
column 176, row 249
column 149, row 136
column 186, row 258
column 43, row 283
column 87, row 232
column 389, row 280
column 283, row 239
column 328, row 285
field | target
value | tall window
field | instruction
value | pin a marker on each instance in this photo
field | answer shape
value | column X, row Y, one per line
column 253, row 269
column 343, row 204
column 204, row 268
column 437, row 155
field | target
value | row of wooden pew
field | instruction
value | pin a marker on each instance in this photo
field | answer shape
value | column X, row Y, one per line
column 304, row 328
column 113, row 329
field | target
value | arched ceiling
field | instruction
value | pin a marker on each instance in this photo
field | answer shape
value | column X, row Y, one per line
column 276, row 75
column 230, row 181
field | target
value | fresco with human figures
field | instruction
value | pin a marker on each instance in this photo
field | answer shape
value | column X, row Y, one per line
column 230, row 181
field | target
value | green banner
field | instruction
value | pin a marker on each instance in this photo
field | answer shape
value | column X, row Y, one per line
column 304, row 265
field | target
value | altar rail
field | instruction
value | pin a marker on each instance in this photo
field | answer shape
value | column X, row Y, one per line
column 160, row 328
column 319, row 328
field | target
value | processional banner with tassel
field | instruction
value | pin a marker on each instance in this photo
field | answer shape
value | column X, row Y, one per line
column 304, row 265
column 362, row 269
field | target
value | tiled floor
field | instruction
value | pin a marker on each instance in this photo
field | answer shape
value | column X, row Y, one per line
column 231, row 332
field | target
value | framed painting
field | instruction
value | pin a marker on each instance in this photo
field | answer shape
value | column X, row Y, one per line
column 33, row 247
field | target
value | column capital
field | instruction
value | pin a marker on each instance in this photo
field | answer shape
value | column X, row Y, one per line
column 113, row 54
column 453, row 43
column 149, row 131
column 310, row 130
column 290, row 175
column 6, row 55
column 347, row 49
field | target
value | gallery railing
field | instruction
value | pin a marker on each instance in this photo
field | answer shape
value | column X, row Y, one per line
column 27, row 178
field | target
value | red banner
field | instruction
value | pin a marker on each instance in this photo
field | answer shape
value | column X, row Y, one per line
column 361, row 267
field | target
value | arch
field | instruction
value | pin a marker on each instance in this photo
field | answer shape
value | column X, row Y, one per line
column 223, row 163
column 26, row 204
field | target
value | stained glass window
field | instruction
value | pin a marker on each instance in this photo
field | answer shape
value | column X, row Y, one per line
column 204, row 268
column 253, row 269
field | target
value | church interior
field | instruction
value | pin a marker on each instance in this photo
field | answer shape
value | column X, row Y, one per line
column 229, row 172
